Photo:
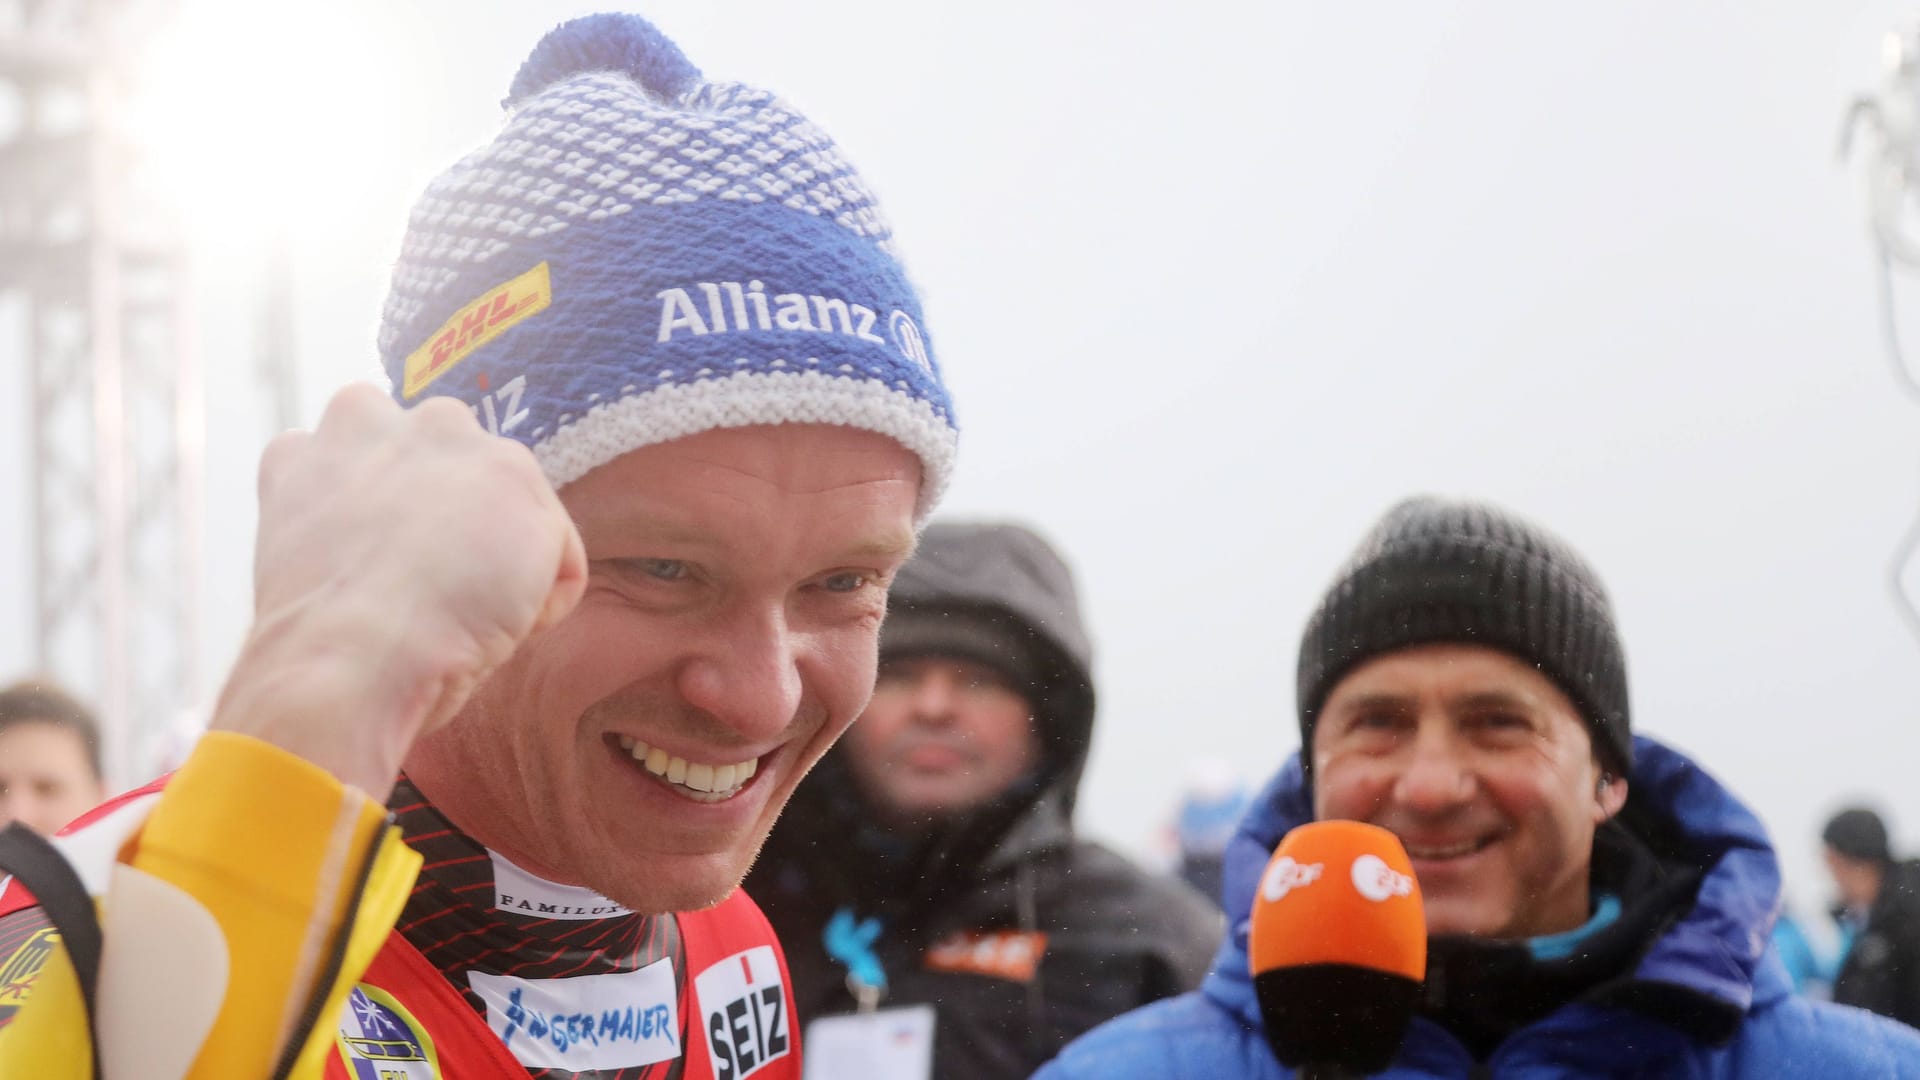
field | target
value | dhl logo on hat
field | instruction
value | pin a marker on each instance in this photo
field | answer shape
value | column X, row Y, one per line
column 497, row 310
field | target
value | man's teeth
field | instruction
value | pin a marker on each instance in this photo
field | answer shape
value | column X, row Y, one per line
column 719, row 781
column 1451, row 851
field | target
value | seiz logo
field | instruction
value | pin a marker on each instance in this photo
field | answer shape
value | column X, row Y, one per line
column 1377, row 881
column 744, row 1005
column 1284, row 875
column 497, row 310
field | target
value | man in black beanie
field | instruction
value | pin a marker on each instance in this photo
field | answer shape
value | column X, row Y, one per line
column 1596, row 904
column 1878, row 910
column 1461, row 624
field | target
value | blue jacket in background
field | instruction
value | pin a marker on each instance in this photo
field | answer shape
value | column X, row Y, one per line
column 1716, row 956
column 1810, row 970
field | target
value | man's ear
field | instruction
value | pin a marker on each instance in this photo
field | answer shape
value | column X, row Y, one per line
column 1609, row 795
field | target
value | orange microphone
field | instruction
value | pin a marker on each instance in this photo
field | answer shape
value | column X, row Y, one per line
column 1338, row 949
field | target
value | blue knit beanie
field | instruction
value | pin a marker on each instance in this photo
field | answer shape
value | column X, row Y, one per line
column 642, row 255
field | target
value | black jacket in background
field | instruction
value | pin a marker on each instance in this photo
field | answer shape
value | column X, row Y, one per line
column 1881, row 971
column 1116, row 936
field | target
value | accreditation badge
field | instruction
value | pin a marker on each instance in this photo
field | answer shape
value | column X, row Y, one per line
column 885, row 1044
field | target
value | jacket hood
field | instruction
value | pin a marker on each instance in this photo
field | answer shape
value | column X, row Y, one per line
column 1715, row 955
column 1007, row 573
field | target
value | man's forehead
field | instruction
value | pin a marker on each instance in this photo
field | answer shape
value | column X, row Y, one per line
column 1386, row 691
column 798, row 456
column 790, row 498
column 1463, row 673
column 35, row 742
column 1428, row 686
column 43, row 727
column 663, row 521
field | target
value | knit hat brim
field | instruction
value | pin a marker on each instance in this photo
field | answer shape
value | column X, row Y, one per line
column 1437, row 571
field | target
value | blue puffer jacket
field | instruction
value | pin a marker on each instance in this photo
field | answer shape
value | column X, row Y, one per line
column 1717, row 955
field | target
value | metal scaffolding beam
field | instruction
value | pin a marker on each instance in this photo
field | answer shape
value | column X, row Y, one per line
column 116, row 424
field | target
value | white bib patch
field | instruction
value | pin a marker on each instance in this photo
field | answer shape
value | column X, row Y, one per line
column 586, row 1022
column 521, row 893
column 743, row 1011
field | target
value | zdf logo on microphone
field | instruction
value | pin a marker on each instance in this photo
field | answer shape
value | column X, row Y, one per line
column 1377, row 881
column 1284, row 875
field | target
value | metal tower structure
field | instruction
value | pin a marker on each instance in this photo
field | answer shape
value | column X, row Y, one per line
column 93, row 291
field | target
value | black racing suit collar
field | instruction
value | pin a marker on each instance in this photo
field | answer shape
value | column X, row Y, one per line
column 468, row 912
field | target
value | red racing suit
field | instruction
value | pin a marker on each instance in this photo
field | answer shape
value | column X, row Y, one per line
column 482, row 972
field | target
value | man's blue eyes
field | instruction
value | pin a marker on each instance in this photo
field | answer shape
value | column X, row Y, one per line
column 844, row 583
column 662, row 569
column 676, row 570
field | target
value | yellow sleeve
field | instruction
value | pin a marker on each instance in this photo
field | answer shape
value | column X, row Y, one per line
column 304, row 878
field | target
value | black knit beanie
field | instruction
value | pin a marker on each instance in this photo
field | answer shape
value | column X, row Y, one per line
column 1437, row 570
column 1858, row 833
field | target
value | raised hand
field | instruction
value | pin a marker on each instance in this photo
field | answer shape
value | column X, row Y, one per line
column 401, row 556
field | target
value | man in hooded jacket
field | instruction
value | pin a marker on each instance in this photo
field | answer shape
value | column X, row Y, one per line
column 930, row 858
column 1596, row 904
column 1879, row 917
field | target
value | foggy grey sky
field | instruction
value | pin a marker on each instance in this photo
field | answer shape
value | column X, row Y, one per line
column 1215, row 284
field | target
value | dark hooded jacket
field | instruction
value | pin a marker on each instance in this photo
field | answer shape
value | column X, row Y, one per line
column 1881, row 970
column 963, row 906
column 1689, row 986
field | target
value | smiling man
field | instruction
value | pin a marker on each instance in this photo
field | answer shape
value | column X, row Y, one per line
column 578, row 611
column 1507, row 855
column 1596, row 904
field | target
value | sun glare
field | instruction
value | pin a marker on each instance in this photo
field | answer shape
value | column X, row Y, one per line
column 248, row 119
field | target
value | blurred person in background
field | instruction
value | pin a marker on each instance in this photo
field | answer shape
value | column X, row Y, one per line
column 1596, row 904
column 49, row 756
column 931, row 859
column 1877, row 904
column 544, row 636
column 1209, row 811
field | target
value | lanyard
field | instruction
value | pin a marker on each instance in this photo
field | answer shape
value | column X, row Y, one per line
column 849, row 941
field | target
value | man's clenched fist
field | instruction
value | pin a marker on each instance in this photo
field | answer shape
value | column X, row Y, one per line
column 402, row 555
